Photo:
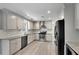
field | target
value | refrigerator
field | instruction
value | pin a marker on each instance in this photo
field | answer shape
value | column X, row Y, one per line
column 59, row 37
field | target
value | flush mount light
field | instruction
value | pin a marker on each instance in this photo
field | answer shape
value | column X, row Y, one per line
column 48, row 11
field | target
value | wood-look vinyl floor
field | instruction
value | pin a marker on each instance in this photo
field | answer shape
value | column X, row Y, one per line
column 38, row 48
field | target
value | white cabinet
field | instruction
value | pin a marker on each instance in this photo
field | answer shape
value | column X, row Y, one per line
column 15, row 45
column 36, row 25
column 76, row 16
column 30, row 38
column 7, row 20
column 19, row 23
column 30, row 25
column 10, row 46
column 49, row 37
column 14, row 22
column 11, row 21
column 36, row 37
column 18, row 43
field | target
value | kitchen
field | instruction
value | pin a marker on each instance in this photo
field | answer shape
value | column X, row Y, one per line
column 20, row 26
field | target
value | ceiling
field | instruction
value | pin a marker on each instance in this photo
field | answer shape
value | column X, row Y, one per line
column 37, row 11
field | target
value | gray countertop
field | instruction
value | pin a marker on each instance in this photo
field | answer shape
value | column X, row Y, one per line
column 74, row 45
column 10, row 35
column 15, row 34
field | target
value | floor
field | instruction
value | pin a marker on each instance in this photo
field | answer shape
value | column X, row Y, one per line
column 38, row 48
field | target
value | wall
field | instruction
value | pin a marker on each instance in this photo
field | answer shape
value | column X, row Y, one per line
column 71, row 34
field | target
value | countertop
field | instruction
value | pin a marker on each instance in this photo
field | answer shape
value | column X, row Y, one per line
column 10, row 35
column 15, row 34
column 74, row 45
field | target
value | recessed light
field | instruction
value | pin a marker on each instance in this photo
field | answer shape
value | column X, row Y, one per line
column 49, row 18
column 28, row 14
column 13, row 16
column 62, row 17
column 48, row 11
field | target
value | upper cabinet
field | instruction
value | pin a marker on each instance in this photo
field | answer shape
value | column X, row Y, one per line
column 30, row 25
column 76, row 16
column 36, row 25
column 19, row 23
column 10, row 20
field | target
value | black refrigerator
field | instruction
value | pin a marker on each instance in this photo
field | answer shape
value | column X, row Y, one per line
column 59, row 37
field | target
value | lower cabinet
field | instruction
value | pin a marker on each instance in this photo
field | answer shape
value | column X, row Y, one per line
column 30, row 38
column 36, row 37
column 14, row 45
column 49, row 37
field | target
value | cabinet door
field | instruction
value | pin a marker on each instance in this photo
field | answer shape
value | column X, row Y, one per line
column 18, row 44
column 49, row 37
column 37, row 25
column 29, row 39
column 11, row 22
column 77, row 16
column 30, row 25
column 13, row 45
column 19, row 22
column 36, row 37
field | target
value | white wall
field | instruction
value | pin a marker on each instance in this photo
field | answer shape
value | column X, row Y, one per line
column 71, row 34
